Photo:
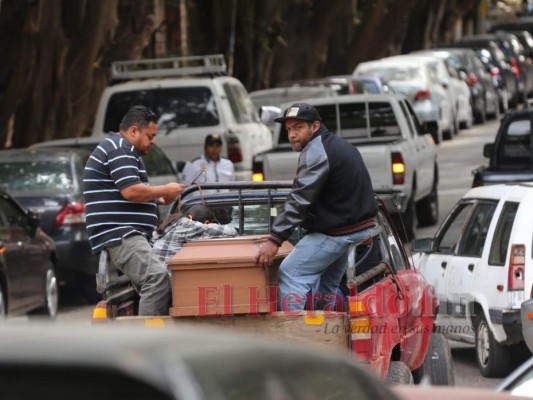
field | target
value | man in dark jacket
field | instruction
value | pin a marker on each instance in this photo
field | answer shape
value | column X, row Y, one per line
column 332, row 198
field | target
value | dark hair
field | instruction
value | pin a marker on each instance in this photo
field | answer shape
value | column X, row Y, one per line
column 198, row 212
column 138, row 115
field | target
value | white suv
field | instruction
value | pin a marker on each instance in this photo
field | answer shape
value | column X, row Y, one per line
column 193, row 98
column 478, row 265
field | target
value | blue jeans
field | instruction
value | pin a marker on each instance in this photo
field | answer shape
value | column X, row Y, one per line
column 315, row 265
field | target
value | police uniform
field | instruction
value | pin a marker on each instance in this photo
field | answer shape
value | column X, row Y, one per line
column 215, row 171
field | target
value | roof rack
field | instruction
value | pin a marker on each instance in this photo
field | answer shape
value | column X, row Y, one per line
column 174, row 66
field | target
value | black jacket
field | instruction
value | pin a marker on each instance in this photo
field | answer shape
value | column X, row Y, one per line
column 332, row 188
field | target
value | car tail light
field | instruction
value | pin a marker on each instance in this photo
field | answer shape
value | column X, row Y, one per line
column 360, row 329
column 471, row 79
column 257, row 171
column 234, row 150
column 517, row 262
column 72, row 213
column 514, row 67
column 398, row 168
column 423, row 95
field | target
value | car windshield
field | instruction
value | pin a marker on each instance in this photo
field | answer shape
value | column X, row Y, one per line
column 36, row 177
column 184, row 107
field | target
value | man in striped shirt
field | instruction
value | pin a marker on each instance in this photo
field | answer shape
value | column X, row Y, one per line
column 122, row 207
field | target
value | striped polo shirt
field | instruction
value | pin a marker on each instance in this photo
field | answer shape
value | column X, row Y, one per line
column 115, row 165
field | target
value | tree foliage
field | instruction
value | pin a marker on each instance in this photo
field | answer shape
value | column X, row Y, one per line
column 56, row 54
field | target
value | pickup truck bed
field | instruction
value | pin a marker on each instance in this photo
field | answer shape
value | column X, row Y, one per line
column 388, row 311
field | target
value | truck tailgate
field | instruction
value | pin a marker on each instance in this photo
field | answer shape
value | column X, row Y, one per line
column 377, row 159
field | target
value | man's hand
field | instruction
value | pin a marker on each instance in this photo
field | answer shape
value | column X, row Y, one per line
column 172, row 190
column 266, row 253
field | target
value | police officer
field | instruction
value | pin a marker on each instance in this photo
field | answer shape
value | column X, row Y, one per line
column 216, row 167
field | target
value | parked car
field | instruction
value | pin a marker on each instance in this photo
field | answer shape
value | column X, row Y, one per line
column 512, row 56
column 347, row 84
column 49, row 182
column 526, row 40
column 477, row 263
column 485, row 99
column 193, row 97
column 419, row 79
column 175, row 363
column 28, row 282
column 458, row 87
column 502, row 76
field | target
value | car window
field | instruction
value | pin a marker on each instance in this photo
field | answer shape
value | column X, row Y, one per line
column 12, row 222
column 475, row 234
column 358, row 123
column 500, row 241
column 517, row 141
column 408, row 119
column 394, row 248
column 415, row 120
column 37, row 176
column 241, row 110
column 449, row 238
column 184, row 107
column 157, row 163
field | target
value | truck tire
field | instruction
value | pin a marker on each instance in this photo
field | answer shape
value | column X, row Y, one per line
column 427, row 209
column 438, row 363
column 493, row 359
column 399, row 373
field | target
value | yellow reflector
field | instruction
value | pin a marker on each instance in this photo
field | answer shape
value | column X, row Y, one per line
column 530, row 315
column 258, row 177
column 3, row 250
column 154, row 322
column 398, row 168
column 357, row 306
column 360, row 328
column 314, row 319
column 100, row 313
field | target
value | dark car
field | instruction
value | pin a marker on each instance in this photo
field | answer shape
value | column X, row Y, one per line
column 502, row 75
column 27, row 272
column 484, row 96
column 49, row 182
column 513, row 51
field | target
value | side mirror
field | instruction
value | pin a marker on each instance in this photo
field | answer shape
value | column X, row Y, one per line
column 488, row 149
column 422, row 245
column 268, row 114
column 32, row 219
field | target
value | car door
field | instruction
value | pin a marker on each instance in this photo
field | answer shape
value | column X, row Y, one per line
column 434, row 265
column 23, row 257
column 464, row 266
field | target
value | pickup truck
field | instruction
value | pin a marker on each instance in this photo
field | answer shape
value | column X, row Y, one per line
column 400, row 156
column 388, row 311
column 511, row 155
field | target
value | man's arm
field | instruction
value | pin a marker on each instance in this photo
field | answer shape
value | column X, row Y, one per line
column 164, row 194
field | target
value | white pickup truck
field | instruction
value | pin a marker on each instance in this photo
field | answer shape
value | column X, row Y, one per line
column 400, row 156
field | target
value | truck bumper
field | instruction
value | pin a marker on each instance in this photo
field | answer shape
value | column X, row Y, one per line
column 395, row 202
